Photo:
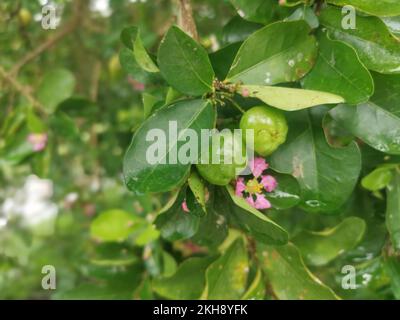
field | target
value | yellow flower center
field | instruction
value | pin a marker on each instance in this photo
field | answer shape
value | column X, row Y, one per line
column 253, row 186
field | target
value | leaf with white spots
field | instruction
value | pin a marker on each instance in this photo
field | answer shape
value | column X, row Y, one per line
column 279, row 52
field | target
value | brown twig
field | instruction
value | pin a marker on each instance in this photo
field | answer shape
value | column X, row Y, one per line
column 186, row 20
column 23, row 90
column 67, row 29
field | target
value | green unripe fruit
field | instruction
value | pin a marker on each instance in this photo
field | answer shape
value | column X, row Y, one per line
column 24, row 17
column 231, row 153
column 270, row 128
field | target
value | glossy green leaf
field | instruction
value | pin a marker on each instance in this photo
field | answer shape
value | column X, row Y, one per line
column 176, row 224
column 226, row 277
column 140, row 174
column 142, row 57
column 377, row 48
column 56, row 86
column 327, row 175
column 279, row 52
column 185, row 64
column 377, row 122
column 299, row 283
column 255, row 222
column 148, row 103
column 187, row 283
column 393, row 211
column 290, row 99
column 307, row 14
column 393, row 24
column 237, row 30
column 377, row 179
column 392, row 267
column 256, row 290
column 376, row 8
column 113, row 225
column 338, row 70
column 222, row 59
column 262, row 11
column 320, row 248
column 287, row 194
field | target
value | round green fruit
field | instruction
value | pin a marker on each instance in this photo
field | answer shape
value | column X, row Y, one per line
column 270, row 128
column 227, row 149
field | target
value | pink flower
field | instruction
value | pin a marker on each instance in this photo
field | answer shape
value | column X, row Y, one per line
column 185, row 207
column 261, row 202
column 240, row 187
column 258, row 166
column 269, row 183
column 38, row 141
column 245, row 93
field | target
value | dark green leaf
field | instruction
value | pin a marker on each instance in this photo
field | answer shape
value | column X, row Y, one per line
column 326, row 175
column 187, row 283
column 377, row 48
column 255, row 222
column 279, row 52
column 142, row 176
column 377, row 123
column 185, row 64
column 338, row 70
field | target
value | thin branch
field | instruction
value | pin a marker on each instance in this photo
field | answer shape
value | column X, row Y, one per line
column 23, row 90
column 67, row 29
column 186, row 20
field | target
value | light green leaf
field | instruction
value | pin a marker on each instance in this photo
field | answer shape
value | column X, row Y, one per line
column 377, row 48
column 279, row 52
column 289, row 277
column 381, row 8
column 377, row 179
column 144, row 177
column 320, row 248
column 290, row 99
column 198, row 188
column 113, row 225
column 393, row 211
column 256, row 290
column 142, row 57
column 226, row 277
column 339, row 71
column 56, row 86
column 185, row 64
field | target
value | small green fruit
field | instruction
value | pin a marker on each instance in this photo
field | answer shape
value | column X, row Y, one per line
column 270, row 128
column 24, row 17
column 230, row 151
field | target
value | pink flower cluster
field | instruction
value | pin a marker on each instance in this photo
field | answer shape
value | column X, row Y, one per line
column 38, row 141
column 253, row 190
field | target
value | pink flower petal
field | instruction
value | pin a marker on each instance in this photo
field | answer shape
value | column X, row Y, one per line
column 250, row 201
column 257, row 166
column 240, row 187
column 269, row 183
column 262, row 203
column 185, row 207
